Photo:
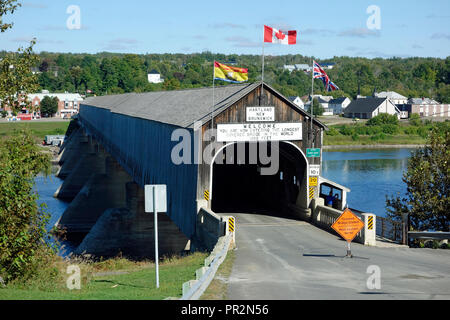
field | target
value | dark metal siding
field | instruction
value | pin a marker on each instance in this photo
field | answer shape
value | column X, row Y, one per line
column 143, row 148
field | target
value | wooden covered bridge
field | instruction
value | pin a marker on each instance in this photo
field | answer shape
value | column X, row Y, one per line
column 252, row 153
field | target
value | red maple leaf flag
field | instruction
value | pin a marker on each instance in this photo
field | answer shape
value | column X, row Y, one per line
column 272, row 35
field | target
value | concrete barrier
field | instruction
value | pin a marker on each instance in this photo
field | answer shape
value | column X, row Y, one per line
column 194, row 289
column 210, row 227
column 324, row 217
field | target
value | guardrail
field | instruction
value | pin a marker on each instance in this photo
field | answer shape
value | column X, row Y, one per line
column 392, row 230
column 325, row 217
column 193, row 290
column 429, row 235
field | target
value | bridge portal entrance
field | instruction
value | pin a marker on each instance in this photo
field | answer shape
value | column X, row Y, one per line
column 242, row 182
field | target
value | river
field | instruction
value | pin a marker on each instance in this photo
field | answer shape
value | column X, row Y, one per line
column 370, row 174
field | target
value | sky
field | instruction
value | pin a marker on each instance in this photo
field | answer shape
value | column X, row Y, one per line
column 325, row 28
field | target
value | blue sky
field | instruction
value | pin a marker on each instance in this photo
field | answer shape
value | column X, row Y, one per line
column 326, row 28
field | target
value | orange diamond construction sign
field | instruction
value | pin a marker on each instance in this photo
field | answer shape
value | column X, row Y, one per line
column 348, row 225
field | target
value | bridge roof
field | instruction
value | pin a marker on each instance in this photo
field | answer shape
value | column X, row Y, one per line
column 180, row 107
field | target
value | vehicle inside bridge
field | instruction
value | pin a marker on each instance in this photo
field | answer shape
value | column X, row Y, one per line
column 240, row 183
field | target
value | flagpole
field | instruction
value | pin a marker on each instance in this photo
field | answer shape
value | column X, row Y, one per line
column 213, row 93
column 312, row 99
column 262, row 77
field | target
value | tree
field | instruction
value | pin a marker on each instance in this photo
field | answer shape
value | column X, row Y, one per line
column 16, row 77
column 428, row 185
column 317, row 108
column 7, row 6
column 22, row 221
column 49, row 106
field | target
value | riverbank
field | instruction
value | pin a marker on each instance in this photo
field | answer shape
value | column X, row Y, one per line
column 373, row 146
column 112, row 279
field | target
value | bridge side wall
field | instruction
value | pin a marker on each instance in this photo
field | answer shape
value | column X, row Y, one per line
column 143, row 148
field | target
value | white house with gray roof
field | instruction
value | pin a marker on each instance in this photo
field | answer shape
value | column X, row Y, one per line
column 368, row 108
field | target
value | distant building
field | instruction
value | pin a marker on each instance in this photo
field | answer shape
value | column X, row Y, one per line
column 324, row 103
column 298, row 102
column 395, row 97
column 68, row 105
column 338, row 105
column 370, row 107
column 425, row 107
column 154, row 77
column 298, row 67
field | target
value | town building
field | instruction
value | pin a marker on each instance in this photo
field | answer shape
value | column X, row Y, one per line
column 298, row 102
column 395, row 97
column 154, row 77
column 68, row 103
column 370, row 107
column 338, row 105
column 425, row 107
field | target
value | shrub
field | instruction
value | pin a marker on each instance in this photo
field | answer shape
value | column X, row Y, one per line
column 378, row 137
column 22, row 222
column 414, row 120
column 390, row 128
column 383, row 118
column 410, row 130
column 332, row 132
column 355, row 137
column 346, row 131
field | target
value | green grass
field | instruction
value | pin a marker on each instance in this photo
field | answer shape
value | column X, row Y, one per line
column 38, row 129
column 138, row 282
column 400, row 139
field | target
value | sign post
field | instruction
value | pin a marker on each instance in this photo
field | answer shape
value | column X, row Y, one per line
column 348, row 225
column 156, row 201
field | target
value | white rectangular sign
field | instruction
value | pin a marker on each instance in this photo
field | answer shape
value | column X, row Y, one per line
column 160, row 195
column 259, row 132
column 260, row 114
column 314, row 170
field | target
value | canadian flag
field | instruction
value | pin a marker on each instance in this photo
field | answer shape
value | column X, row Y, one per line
column 277, row 36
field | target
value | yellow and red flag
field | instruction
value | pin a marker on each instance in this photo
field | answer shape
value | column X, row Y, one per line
column 229, row 74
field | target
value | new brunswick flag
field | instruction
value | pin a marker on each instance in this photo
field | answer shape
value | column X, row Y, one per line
column 230, row 74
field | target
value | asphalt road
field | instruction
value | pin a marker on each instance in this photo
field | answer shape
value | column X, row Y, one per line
column 283, row 259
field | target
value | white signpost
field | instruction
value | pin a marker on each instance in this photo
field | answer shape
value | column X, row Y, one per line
column 156, row 201
column 259, row 132
column 314, row 170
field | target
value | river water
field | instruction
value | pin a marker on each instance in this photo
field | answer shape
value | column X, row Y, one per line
column 370, row 174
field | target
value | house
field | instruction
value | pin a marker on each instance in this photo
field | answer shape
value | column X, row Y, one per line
column 324, row 103
column 370, row 107
column 425, row 107
column 289, row 68
column 298, row 67
column 154, row 77
column 298, row 102
column 338, row 105
column 395, row 97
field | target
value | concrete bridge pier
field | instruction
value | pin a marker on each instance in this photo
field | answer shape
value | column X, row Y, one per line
column 90, row 160
column 130, row 231
column 101, row 192
column 70, row 155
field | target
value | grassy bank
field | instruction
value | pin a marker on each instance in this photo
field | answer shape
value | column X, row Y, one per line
column 382, row 130
column 114, row 279
column 38, row 129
